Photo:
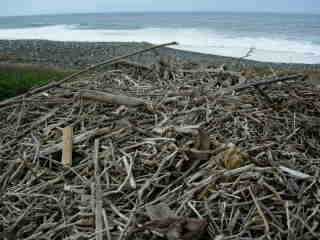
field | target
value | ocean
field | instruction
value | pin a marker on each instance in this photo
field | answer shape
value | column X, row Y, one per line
column 273, row 37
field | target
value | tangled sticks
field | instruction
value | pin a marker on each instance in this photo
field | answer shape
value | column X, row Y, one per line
column 185, row 163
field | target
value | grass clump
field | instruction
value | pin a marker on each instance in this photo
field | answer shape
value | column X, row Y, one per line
column 17, row 79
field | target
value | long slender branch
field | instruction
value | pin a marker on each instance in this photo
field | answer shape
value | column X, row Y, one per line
column 72, row 76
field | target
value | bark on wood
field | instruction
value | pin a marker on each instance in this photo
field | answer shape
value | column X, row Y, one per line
column 113, row 99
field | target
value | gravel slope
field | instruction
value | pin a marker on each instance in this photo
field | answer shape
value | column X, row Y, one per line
column 79, row 54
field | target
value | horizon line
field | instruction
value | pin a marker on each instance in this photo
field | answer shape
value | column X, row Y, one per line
column 157, row 12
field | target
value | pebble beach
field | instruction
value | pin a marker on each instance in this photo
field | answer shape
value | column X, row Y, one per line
column 75, row 55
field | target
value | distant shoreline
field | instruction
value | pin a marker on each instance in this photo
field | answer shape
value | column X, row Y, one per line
column 78, row 54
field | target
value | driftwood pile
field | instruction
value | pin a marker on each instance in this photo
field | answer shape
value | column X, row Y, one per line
column 140, row 152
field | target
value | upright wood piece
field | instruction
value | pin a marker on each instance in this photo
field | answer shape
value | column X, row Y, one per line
column 67, row 146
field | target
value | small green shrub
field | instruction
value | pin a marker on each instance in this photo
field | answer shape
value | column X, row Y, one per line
column 18, row 79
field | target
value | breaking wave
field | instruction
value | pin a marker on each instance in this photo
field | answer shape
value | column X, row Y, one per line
column 197, row 40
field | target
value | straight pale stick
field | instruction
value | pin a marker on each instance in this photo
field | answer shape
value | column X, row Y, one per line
column 67, row 146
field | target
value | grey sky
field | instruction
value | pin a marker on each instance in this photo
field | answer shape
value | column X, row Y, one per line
column 26, row 7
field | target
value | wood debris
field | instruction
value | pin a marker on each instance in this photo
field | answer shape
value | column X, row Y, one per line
column 223, row 160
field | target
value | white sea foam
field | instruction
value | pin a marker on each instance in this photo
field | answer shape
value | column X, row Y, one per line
column 198, row 40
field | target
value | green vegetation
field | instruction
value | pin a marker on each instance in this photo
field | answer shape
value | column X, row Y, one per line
column 16, row 79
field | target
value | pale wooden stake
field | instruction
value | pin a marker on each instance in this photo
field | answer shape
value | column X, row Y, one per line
column 67, row 146
column 98, row 192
